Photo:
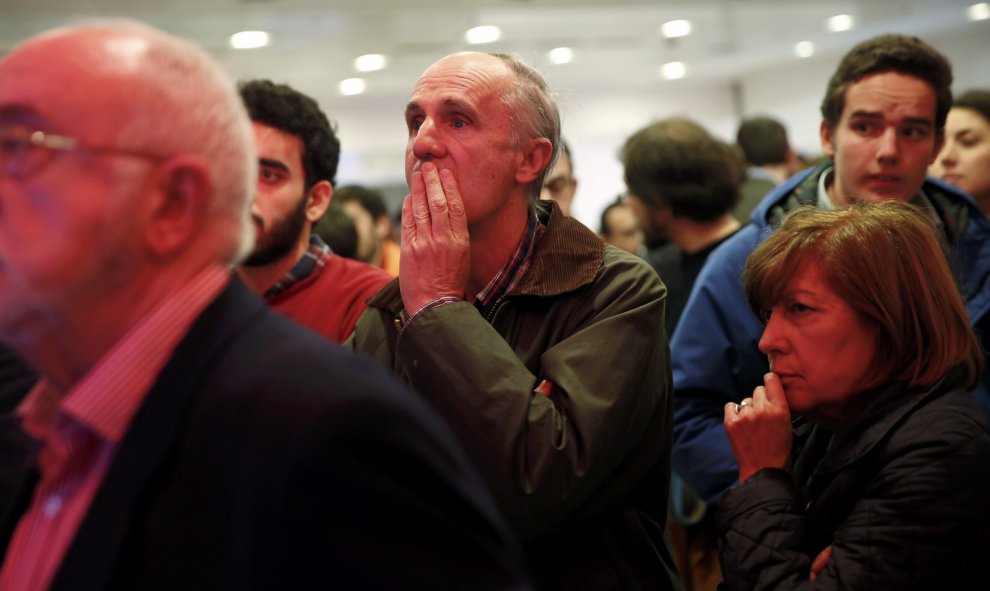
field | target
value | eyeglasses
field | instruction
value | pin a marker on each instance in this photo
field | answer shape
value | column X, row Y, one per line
column 23, row 153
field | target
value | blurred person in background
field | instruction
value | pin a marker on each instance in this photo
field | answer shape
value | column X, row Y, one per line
column 769, row 161
column 620, row 228
column 560, row 185
column 964, row 160
column 366, row 207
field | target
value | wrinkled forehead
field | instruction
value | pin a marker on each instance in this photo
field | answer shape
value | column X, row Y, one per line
column 475, row 75
column 67, row 79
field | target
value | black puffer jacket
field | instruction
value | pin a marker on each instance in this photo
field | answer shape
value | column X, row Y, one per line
column 902, row 495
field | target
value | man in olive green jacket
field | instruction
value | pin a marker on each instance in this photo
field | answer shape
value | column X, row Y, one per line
column 543, row 349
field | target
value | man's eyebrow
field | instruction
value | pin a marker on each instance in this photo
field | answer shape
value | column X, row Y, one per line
column 269, row 163
column 21, row 114
column 876, row 115
column 867, row 114
column 448, row 104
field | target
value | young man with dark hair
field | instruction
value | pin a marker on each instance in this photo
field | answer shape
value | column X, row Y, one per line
column 290, row 265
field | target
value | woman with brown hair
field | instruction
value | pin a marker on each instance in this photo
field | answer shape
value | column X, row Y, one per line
column 886, row 484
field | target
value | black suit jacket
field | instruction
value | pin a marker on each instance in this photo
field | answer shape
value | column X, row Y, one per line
column 265, row 457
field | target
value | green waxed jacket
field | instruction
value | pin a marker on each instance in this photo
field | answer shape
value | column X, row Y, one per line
column 563, row 400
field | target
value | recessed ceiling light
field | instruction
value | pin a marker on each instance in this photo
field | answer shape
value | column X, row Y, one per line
column 370, row 62
column 839, row 22
column 482, row 34
column 249, row 39
column 678, row 28
column 978, row 12
column 804, row 49
column 673, row 70
column 351, row 86
column 561, row 55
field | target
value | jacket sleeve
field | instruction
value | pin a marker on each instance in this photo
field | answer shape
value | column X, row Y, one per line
column 595, row 393
column 920, row 521
column 715, row 360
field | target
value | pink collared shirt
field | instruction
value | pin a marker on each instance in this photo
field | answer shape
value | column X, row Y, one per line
column 81, row 430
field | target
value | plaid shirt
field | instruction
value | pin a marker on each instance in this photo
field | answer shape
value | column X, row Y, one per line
column 514, row 268
column 314, row 257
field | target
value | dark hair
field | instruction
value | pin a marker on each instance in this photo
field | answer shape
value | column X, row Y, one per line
column 887, row 262
column 337, row 229
column 676, row 163
column 369, row 199
column 565, row 152
column 604, row 221
column 975, row 100
column 286, row 109
column 763, row 140
column 890, row 53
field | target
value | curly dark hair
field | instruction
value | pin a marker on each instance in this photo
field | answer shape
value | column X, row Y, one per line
column 890, row 53
column 676, row 163
column 286, row 109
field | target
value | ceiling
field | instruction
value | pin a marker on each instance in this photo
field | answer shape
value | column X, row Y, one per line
column 616, row 43
column 611, row 87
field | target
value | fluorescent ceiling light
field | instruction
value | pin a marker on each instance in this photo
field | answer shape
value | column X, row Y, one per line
column 352, row 86
column 673, row 70
column 249, row 39
column 370, row 62
column 839, row 22
column 678, row 28
column 561, row 55
column 804, row 49
column 482, row 34
column 978, row 12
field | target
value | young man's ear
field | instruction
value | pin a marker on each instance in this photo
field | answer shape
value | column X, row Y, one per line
column 177, row 207
column 828, row 148
column 318, row 200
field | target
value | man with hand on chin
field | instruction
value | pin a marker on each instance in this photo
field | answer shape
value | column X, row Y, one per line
column 542, row 348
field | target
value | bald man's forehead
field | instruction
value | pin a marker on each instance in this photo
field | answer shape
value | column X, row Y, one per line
column 70, row 80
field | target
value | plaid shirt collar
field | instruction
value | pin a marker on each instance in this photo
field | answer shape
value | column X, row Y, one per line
column 514, row 268
column 311, row 261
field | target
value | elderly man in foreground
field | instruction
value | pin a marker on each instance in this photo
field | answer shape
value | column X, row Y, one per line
column 186, row 437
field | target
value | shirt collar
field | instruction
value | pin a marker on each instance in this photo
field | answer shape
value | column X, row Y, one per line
column 106, row 398
column 515, row 266
column 311, row 261
column 920, row 198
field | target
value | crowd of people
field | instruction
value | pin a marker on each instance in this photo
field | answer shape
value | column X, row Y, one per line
column 221, row 370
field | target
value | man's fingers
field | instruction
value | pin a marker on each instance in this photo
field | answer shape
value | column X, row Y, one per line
column 820, row 561
column 774, row 390
column 455, row 205
column 437, row 199
column 419, row 206
column 408, row 223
